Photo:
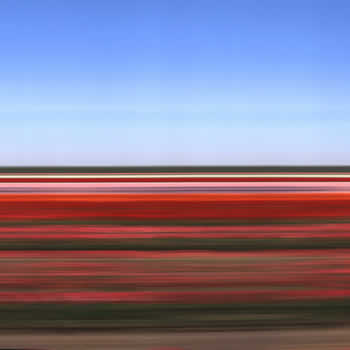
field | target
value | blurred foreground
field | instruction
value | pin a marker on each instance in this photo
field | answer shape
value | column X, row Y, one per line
column 173, row 249
column 334, row 339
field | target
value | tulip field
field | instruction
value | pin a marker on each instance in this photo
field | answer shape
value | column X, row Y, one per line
column 174, row 248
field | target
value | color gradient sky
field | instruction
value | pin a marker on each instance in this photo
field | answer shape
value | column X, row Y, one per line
column 168, row 82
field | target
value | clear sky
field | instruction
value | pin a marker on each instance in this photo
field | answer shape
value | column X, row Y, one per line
column 147, row 82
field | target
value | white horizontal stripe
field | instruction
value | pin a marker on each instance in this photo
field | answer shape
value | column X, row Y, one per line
column 165, row 176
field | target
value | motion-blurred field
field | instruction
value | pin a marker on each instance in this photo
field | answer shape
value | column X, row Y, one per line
column 195, row 249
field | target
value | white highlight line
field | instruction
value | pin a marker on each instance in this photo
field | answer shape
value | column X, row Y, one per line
column 165, row 176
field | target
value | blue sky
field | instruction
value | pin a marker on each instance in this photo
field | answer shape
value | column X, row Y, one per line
column 146, row 82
